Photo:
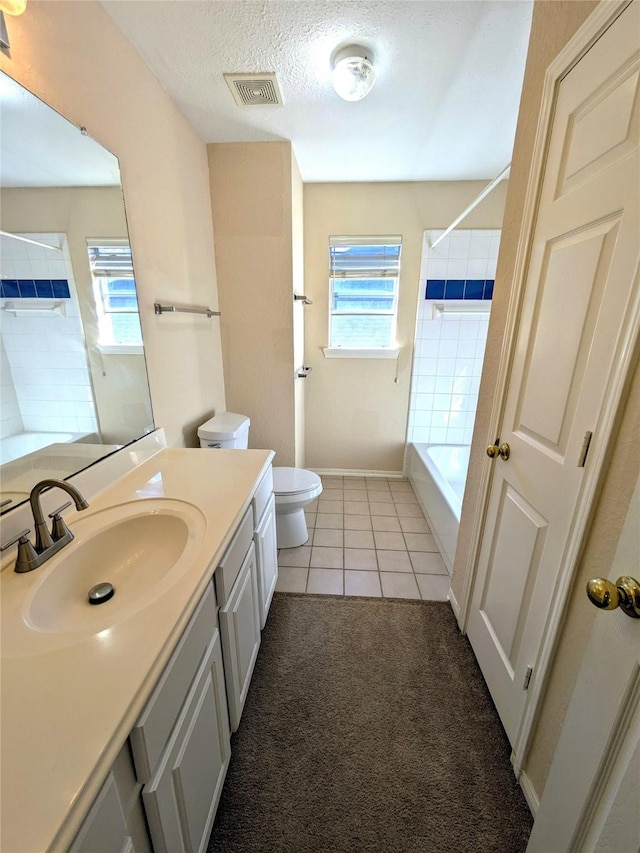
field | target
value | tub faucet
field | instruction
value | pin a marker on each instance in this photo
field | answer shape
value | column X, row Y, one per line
column 47, row 544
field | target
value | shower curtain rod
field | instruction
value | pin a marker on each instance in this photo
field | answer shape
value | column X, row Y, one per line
column 485, row 192
column 28, row 240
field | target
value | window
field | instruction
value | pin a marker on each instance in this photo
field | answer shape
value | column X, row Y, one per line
column 115, row 294
column 364, row 273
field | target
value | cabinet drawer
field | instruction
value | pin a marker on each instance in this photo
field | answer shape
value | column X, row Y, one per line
column 230, row 564
column 151, row 732
column 262, row 495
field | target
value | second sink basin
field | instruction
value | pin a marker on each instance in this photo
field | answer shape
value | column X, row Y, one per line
column 141, row 548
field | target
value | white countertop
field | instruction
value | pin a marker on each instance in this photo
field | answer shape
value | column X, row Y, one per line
column 68, row 709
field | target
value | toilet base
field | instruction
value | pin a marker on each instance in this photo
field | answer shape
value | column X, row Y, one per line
column 291, row 528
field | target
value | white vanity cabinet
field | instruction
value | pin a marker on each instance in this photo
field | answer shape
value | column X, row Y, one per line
column 181, row 742
column 264, row 511
column 115, row 822
column 105, row 829
column 236, row 581
column 162, row 792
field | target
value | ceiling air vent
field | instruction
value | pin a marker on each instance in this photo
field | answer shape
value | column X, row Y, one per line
column 254, row 89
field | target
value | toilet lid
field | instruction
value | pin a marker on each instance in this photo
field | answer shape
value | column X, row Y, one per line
column 291, row 481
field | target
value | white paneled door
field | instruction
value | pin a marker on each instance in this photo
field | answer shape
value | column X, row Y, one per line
column 578, row 307
column 591, row 801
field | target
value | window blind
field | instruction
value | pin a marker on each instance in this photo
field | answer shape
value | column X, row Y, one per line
column 365, row 257
column 110, row 258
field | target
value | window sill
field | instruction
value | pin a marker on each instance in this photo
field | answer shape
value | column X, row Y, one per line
column 347, row 352
column 120, row 349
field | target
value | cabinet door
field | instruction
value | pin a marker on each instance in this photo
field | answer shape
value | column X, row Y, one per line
column 240, row 630
column 153, row 728
column 104, row 829
column 182, row 797
column 267, row 557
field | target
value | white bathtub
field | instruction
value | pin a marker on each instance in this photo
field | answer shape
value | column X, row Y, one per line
column 57, row 456
column 438, row 473
column 23, row 443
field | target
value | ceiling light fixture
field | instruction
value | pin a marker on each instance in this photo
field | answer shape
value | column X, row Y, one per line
column 353, row 73
column 11, row 7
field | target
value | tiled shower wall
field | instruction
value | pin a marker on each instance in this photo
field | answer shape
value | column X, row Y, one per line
column 449, row 346
column 45, row 352
column 11, row 420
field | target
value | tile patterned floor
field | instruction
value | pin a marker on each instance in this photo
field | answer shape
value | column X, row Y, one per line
column 367, row 536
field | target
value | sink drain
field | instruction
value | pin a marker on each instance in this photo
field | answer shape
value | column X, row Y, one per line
column 100, row 593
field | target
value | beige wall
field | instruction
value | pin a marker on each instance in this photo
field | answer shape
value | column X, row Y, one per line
column 252, row 203
column 553, row 25
column 120, row 385
column 73, row 56
column 356, row 411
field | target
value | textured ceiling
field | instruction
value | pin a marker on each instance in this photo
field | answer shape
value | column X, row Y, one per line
column 444, row 106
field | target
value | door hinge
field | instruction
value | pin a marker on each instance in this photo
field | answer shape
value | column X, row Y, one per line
column 527, row 678
column 584, row 450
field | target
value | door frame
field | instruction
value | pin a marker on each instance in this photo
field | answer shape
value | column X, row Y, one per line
column 596, row 24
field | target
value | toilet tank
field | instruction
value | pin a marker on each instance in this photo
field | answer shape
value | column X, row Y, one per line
column 225, row 430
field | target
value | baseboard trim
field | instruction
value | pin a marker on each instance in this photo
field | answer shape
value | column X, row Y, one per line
column 530, row 795
column 453, row 601
column 351, row 472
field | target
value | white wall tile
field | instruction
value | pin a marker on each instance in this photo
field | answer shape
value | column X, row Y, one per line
column 446, row 367
column 451, row 329
column 428, row 348
column 438, row 268
column 465, row 367
column 424, row 401
column 459, row 245
column 466, row 349
column 432, row 329
column 448, row 351
column 471, row 414
column 427, row 366
column 422, row 418
column 456, row 268
column 480, row 347
column 469, row 330
column 480, row 246
column 46, row 354
column 441, row 402
column 425, row 384
column 439, row 420
column 447, row 348
column 477, row 268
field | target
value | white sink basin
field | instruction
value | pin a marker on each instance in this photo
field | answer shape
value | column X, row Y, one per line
column 140, row 548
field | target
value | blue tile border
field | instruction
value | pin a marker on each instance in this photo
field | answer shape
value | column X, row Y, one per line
column 35, row 288
column 456, row 288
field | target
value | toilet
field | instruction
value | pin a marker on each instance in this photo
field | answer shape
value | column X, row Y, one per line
column 293, row 488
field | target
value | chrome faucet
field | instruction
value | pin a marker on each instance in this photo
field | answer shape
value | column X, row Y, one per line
column 47, row 544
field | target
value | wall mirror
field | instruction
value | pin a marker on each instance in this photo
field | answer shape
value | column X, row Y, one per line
column 73, row 371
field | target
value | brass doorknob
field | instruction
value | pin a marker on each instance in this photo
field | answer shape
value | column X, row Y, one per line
column 624, row 593
column 502, row 450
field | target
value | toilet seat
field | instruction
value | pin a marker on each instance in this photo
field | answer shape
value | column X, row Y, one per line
column 294, row 481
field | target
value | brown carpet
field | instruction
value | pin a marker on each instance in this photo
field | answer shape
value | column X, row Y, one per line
column 368, row 727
